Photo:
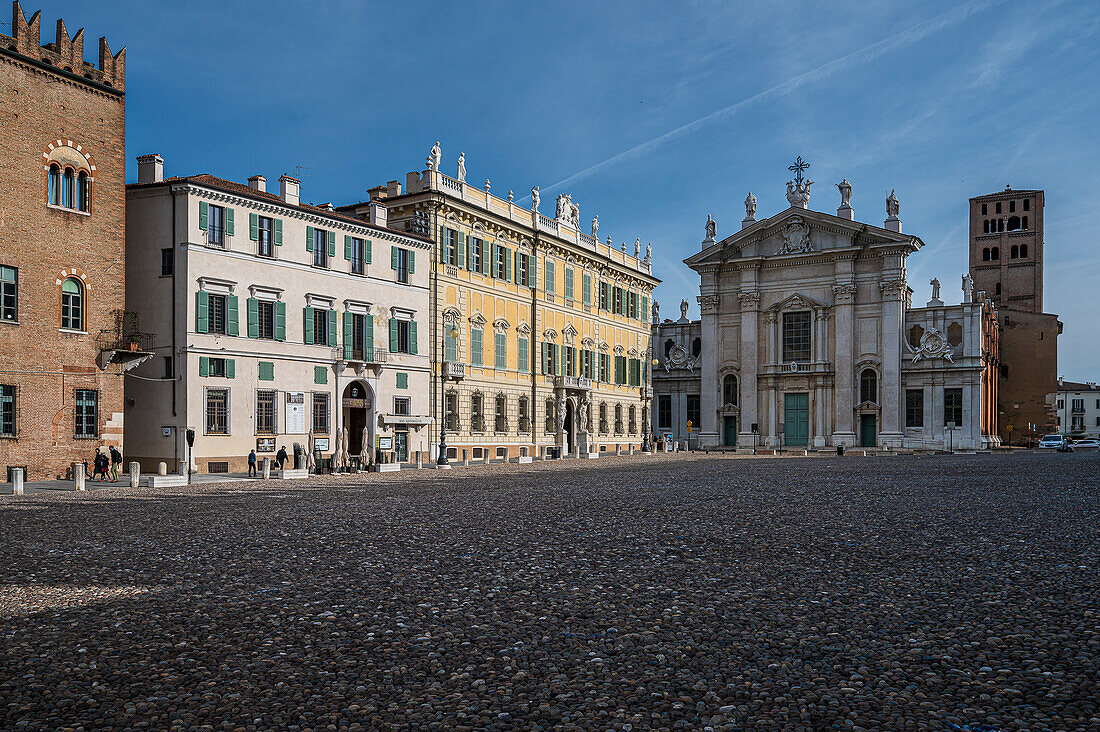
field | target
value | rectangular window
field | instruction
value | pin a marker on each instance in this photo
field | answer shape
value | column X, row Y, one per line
column 218, row 320
column 450, row 247
column 522, row 354
column 265, row 412
column 693, row 411
column 266, row 371
column 215, row 226
column 477, row 416
column 632, row 305
column 169, row 368
column 914, row 407
column 357, row 248
column 265, row 242
column 1078, row 405
column 401, row 405
column 476, row 247
column 402, row 260
column 450, row 351
column 7, row 410
column 548, row 277
column 320, row 326
column 402, row 380
column 500, row 263
column 586, row 364
column 568, row 283
column 217, row 367
column 402, row 336
column 451, row 409
column 500, row 349
column 9, row 293
column 86, row 412
column 500, row 415
column 953, row 407
column 605, row 367
column 476, row 347
column 617, row 304
column 167, row 262
column 265, row 320
column 320, row 375
column 664, row 412
column 217, row 411
column 524, row 416
column 570, row 360
column 320, row 413
column 796, row 336
column 603, row 296
column 320, row 248
column 586, row 289
column 635, row 372
column 523, row 269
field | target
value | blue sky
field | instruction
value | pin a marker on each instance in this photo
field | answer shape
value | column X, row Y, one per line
column 653, row 114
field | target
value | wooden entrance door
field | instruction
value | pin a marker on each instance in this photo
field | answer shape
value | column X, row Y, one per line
column 796, row 419
column 868, row 430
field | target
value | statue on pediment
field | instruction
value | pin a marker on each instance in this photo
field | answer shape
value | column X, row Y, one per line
column 437, row 156
column 750, row 206
column 595, row 225
column 845, row 193
column 893, row 205
column 712, row 228
column 462, row 167
column 535, row 198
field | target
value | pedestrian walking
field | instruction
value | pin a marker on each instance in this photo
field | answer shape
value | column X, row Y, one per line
column 116, row 463
column 102, row 462
column 251, row 463
column 281, row 457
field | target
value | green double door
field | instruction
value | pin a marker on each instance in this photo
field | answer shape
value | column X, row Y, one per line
column 729, row 430
column 868, row 429
column 796, row 419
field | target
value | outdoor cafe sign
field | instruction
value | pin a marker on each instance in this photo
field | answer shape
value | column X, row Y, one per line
column 355, row 396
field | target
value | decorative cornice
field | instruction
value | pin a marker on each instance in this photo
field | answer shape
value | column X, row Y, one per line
column 844, row 294
column 708, row 304
column 749, row 300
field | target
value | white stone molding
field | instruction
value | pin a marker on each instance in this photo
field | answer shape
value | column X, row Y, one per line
column 523, row 328
column 321, row 302
column 550, row 334
column 477, row 320
column 217, row 286
column 796, row 237
column 267, row 294
column 619, row 350
column 893, row 289
column 500, row 325
column 749, row 300
column 402, row 313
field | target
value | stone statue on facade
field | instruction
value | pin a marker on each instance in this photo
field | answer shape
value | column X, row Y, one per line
column 437, row 156
column 711, row 228
column 656, row 311
column 893, row 205
column 535, row 198
column 637, row 247
column 935, row 282
column 968, row 288
column 560, row 405
column 750, row 206
column 582, row 413
column 845, row 192
column 684, row 309
column 462, row 167
column 648, row 253
column 595, row 225
column 798, row 192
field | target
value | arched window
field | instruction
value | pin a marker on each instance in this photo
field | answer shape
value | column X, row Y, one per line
column 1013, row 223
column 632, row 421
column 1027, row 204
column 1014, row 253
column 668, row 347
column 954, row 334
column 985, row 254
column 696, row 347
column 729, row 389
column 997, row 289
column 996, row 253
column 1023, row 251
column 1025, row 223
column 477, row 414
column 915, row 334
column 72, row 304
column 67, row 188
column 82, row 191
column 1000, row 224
column 500, row 415
column 868, row 386
column 549, row 415
column 55, row 185
column 1012, row 207
column 618, row 419
column 603, row 418
column 524, row 415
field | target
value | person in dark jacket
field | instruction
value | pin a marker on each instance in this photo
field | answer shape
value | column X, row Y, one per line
column 251, row 463
column 102, row 463
column 281, row 457
column 116, row 463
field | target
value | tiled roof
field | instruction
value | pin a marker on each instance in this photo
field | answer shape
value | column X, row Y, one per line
column 1076, row 386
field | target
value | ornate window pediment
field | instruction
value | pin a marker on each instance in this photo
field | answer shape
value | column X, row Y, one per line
column 478, row 320
column 569, row 334
column 619, row 350
column 523, row 329
column 633, row 353
column 588, row 343
column 500, row 325
column 550, row 334
column 868, row 363
column 451, row 315
column 603, row 346
column 797, row 301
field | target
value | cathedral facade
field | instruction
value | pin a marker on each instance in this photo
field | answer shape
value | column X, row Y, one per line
column 808, row 338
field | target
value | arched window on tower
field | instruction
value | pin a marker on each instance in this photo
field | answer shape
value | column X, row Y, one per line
column 915, row 334
column 1023, row 251
column 985, row 254
column 868, row 386
column 82, row 191
column 985, row 226
column 997, row 289
column 996, row 253
column 72, row 304
column 1025, row 223
column 1013, row 223
column 1027, row 204
column 67, row 188
column 1014, row 253
column 729, row 389
column 54, row 195
column 1000, row 225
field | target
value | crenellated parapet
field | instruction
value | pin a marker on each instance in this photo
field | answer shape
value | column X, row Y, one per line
column 65, row 52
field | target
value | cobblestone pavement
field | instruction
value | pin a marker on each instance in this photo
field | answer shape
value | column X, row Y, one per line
column 939, row 592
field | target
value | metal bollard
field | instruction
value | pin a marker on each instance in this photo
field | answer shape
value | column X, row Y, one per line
column 630, row 449
column 465, row 458
column 618, row 449
column 267, row 468
column 135, row 474
column 182, row 468
column 78, row 476
column 17, row 481
column 485, row 459
column 162, row 468
column 419, row 459
column 576, row 451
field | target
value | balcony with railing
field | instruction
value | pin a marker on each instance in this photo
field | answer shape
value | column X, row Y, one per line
column 350, row 353
column 123, row 342
column 799, row 367
column 454, row 370
column 572, row 382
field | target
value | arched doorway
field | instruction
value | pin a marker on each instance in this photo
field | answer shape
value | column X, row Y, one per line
column 569, row 437
column 358, row 406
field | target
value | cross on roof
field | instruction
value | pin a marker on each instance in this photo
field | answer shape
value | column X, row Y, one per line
column 797, row 168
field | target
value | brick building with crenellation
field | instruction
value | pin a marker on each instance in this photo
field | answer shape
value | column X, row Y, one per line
column 64, row 338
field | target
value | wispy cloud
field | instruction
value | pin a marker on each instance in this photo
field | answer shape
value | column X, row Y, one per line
column 860, row 57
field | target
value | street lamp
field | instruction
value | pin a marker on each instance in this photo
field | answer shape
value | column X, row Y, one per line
column 646, row 446
column 442, row 458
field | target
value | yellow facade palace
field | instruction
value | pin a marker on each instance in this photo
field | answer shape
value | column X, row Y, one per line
column 541, row 329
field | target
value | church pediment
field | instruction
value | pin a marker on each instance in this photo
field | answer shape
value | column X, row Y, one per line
column 797, row 301
column 798, row 232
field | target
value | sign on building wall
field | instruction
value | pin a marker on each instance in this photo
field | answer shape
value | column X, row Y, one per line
column 295, row 420
column 265, row 444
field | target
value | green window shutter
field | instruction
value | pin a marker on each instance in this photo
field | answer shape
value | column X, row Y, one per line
column 586, row 289
column 443, row 244
column 461, row 245
column 253, row 226
column 412, row 337
column 559, row 353
column 569, row 283
column 486, row 258
column 229, row 221
column 393, row 335
column 516, row 267
column 412, row 261
column 347, row 247
column 366, row 250
column 368, row 337
column 278, row 232
column 521, row 354
column 548, row 277
column 332, row 328
column 307, row 325
column 280, row 321
column 204, row 366
column 253, row 317
column 266, row 371
column 332, row 243
column 230, row 368
column 507, row 263
column 231, row 315
column 309, row 238
column 320, row 375
column 202, row 312
column 349, row 331
column 204, row 215
column 532, row 270
column 402, row 380
column 643, row 311
column 393, row 257
column 499, row 351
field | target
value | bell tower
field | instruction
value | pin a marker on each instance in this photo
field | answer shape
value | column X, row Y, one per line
column 1006, row 248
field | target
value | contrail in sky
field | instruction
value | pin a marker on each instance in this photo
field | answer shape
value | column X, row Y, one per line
column 869, row 53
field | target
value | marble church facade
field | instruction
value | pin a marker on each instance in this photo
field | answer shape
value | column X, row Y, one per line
column 808, row 338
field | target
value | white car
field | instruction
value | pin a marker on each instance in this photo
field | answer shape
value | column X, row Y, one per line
column 1053, row 442
column 1086, row 444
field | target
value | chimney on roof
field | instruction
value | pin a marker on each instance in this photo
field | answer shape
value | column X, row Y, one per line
column 258, row 183
column 393, row 188
column 378, row 213
column 326, row 207
column 288, row 189
column 377, row 193
column 150, row 168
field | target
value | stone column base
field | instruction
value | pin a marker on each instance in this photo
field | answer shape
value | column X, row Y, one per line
column 892, row 440
column 848, row 439
column 707, row 439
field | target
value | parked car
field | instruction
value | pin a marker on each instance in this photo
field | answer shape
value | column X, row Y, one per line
column 1054, row 442
column 1087, row 443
